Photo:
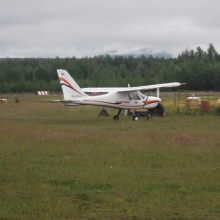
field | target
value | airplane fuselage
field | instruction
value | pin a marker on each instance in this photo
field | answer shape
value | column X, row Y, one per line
column 117, row 100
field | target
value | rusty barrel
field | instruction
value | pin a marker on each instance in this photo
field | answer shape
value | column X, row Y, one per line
column 205, row 106
column 193, row 103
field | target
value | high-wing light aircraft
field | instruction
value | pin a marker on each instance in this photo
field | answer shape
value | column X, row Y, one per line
column 119, row 98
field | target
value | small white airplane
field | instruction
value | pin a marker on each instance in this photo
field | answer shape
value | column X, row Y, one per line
column 120, row 98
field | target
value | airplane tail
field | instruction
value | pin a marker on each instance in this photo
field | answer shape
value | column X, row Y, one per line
column 69, row 86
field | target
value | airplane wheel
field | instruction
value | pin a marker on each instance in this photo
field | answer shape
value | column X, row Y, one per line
column 115, row 118
column 135, row 118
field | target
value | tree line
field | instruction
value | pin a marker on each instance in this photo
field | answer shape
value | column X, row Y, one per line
column 199, row 69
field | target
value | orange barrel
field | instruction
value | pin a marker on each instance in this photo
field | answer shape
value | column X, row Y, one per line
column 205, row 106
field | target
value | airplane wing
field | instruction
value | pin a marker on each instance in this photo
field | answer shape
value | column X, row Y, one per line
column 97, row 89
column 131, row 89
column 149, row 87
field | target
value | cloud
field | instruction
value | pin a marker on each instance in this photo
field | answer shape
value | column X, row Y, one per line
column 47, row 28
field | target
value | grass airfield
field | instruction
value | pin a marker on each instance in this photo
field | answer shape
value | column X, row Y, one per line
column 61, row 162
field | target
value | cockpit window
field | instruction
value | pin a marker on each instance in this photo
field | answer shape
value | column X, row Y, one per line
column 134, row 96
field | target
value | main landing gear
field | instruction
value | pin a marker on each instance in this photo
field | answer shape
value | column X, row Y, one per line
column 135, row 116
column 116, row 117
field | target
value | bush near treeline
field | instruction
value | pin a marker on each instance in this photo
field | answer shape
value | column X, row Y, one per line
column 198, row 68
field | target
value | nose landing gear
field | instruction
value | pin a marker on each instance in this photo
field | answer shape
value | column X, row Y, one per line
column 135, row 118
column 149, row 118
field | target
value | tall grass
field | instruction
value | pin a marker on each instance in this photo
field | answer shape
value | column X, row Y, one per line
column 61, row 162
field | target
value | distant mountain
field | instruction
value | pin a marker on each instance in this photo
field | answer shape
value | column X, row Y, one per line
column 143, row 52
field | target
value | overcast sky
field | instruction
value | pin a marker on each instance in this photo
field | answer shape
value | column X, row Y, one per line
column 50, row 28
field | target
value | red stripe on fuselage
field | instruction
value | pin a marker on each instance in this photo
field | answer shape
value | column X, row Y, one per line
column 148, row 102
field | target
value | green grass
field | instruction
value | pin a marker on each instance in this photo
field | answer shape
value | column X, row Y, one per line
column 61, row 162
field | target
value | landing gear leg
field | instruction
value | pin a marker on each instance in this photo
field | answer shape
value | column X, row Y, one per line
column 116, row 117
column 149, row 118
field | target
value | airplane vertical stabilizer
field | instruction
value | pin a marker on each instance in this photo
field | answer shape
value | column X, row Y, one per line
column 69, row 86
